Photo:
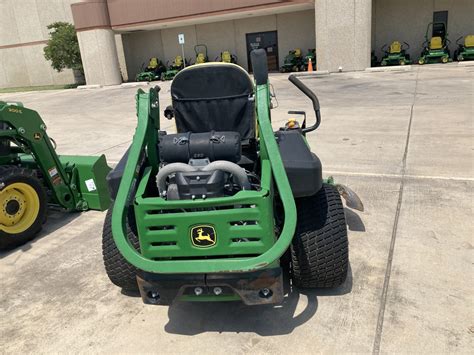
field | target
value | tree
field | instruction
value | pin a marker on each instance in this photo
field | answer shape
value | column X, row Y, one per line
column 62, row 48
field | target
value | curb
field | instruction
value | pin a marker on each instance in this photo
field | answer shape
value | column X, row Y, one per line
column 85, row 87
column 389, row 68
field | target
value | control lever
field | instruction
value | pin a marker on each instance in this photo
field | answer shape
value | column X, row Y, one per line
column 312, row 96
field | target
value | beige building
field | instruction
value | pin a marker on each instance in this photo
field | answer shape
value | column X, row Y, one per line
column 117, row 36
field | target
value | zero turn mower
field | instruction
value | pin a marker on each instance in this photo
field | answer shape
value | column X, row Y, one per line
column 175, row 67
column 32, row 176
column 436, row 48
column 152, row 72
column 395, row 54
column 293, row 62
column 465, row 51
column 217, row 211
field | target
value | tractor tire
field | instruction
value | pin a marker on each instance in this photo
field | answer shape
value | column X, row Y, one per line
column 421, row 61
column 120, row 272
column 445, row 59
column 23, row 206
column 402, row 62
column 320, row 250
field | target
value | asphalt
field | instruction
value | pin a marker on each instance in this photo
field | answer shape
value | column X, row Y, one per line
column 402, row 140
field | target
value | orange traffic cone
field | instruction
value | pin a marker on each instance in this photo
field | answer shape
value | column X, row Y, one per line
column 310, row 65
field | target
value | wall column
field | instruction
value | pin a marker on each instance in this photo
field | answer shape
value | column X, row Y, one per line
column 343, row 34
column 96, row 42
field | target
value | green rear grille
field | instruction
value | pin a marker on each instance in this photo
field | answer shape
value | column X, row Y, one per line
column 242, row 229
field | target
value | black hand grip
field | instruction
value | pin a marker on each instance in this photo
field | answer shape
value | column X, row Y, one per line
column 312, row 96
column 259, row 66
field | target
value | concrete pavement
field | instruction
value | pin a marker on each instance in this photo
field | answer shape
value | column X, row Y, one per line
column 402, row 140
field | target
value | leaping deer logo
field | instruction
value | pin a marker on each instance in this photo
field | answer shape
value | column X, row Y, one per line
column 203, row 236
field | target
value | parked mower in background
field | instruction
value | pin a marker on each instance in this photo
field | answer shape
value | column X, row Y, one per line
column 293, row 62
column 201, row 53
column 465, row 51
column 153, row 70
column 177, row 65
column 435, row 49
column 395, row 54
column 227, row 57
column 32, row 176
column 222, row 209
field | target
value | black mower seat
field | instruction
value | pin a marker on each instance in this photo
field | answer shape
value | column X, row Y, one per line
column 214, row 96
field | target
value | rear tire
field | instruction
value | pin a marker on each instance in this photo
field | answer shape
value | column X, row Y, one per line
column 320, row 250
column 23, row 206
column 119, row 270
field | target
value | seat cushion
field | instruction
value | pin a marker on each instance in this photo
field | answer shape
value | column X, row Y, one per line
column 436, row 43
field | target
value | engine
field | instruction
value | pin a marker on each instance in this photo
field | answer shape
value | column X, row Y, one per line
column 202, row 165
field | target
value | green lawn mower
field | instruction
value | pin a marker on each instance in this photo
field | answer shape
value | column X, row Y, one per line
column 32, row 176
column 395, row 54
column 226, row 57
column 435, row 49
column 218, row 211
column 152, row 72
column 201, row 53
column 179, row 63
column 465, row 50
column 293, row 62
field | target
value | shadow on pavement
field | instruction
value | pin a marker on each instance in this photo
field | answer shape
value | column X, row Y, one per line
column 190, row 318
column 56, row 220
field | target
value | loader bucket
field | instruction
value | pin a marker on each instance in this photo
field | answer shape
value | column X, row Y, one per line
column 91, row 183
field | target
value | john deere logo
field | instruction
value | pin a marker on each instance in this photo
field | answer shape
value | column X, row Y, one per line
column 203, row 236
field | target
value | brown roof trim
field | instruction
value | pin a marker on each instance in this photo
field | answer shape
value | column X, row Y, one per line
column 25, row 44
column 210, row 14
column 92, row 28
column 90, row 15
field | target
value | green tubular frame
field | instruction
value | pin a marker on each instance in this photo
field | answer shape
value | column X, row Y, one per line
column 131, row 193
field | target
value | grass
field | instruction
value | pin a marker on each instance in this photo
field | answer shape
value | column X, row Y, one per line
column 38, row 88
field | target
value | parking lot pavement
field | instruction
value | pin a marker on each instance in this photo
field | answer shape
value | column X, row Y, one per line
column 402, row 140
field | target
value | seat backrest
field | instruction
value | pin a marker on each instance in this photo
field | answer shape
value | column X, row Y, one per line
column 153, row 63
column 201, row 58
column 226, row 57
column 178, row 61
column 297, row 52
column 395, row 47
column 214, row 96
column 469, row 41
column 436, row 43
